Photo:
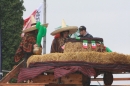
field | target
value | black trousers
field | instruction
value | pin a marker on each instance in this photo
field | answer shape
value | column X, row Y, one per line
column 26, row 56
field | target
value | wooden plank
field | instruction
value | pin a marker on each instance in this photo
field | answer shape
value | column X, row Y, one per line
column 63, row 85
column 45, row 79
column 69, row 79
column 12, row 73
column 72, row 79
column 117, row 79
column 22, row 84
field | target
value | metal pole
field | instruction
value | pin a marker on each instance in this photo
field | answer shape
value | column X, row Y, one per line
column 44, row 39
column 0, row 46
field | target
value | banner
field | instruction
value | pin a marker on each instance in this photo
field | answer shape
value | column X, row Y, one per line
column 38, row 15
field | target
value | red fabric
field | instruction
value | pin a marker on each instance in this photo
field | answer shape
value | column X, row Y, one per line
column 63, row 68
column 27, row 19
column 97, row 66
column 57, row 36
column 30, row 73
column 62, row 71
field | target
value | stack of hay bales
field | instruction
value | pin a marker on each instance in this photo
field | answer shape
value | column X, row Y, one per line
column 93, row 57
column 74, row 45
column 75, row 52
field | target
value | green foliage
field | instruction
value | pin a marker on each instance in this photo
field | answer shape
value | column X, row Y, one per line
column 11, row 25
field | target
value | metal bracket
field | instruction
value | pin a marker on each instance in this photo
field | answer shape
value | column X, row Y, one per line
column 1, row 73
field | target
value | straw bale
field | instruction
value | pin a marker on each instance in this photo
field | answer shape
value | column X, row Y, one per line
column 93, row 57
column 78, row 47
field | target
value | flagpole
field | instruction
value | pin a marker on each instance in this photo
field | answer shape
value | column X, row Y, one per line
column 44, row 14
column 0, row 47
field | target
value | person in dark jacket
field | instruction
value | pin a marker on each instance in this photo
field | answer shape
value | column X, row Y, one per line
column 84, row 33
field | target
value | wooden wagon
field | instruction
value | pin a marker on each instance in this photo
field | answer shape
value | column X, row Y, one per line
column 71, row 72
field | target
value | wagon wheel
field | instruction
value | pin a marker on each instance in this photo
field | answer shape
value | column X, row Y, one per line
column 86, row 80
column 108, row 78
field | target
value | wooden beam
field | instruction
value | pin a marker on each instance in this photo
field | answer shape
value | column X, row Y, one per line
column 63, row 85
column 45, row 79
column 22, row 84
column 37, row 84
column 68, row 79
column 115, row 79
column 72, row 79
column 12, row 73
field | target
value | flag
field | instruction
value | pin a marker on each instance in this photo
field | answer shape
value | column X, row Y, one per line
column 93, row 44
column 38, row 15
column 85, row 44
column 27, row 22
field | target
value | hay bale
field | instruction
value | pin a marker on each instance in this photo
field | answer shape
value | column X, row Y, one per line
column 93, row 57
column 78, row 47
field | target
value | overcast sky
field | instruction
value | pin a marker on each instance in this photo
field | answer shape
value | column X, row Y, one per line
column 108, row 19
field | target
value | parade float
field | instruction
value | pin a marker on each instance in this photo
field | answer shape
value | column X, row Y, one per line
column 81, row 59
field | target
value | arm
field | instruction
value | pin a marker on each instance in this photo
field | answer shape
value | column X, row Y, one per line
column 91, row 36
column 80, row 36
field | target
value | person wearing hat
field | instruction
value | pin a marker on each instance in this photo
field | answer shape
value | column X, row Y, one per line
column 25, row 49
column 61, row 34
column 84, row 33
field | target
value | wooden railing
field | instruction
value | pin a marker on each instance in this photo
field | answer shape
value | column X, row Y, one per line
column 12, row 73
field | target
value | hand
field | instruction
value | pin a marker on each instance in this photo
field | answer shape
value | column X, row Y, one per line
column 35, row 45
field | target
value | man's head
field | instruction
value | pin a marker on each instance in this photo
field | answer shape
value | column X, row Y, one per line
column 82, row 30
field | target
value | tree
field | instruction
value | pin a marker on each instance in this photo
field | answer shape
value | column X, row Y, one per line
column 11, row 25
